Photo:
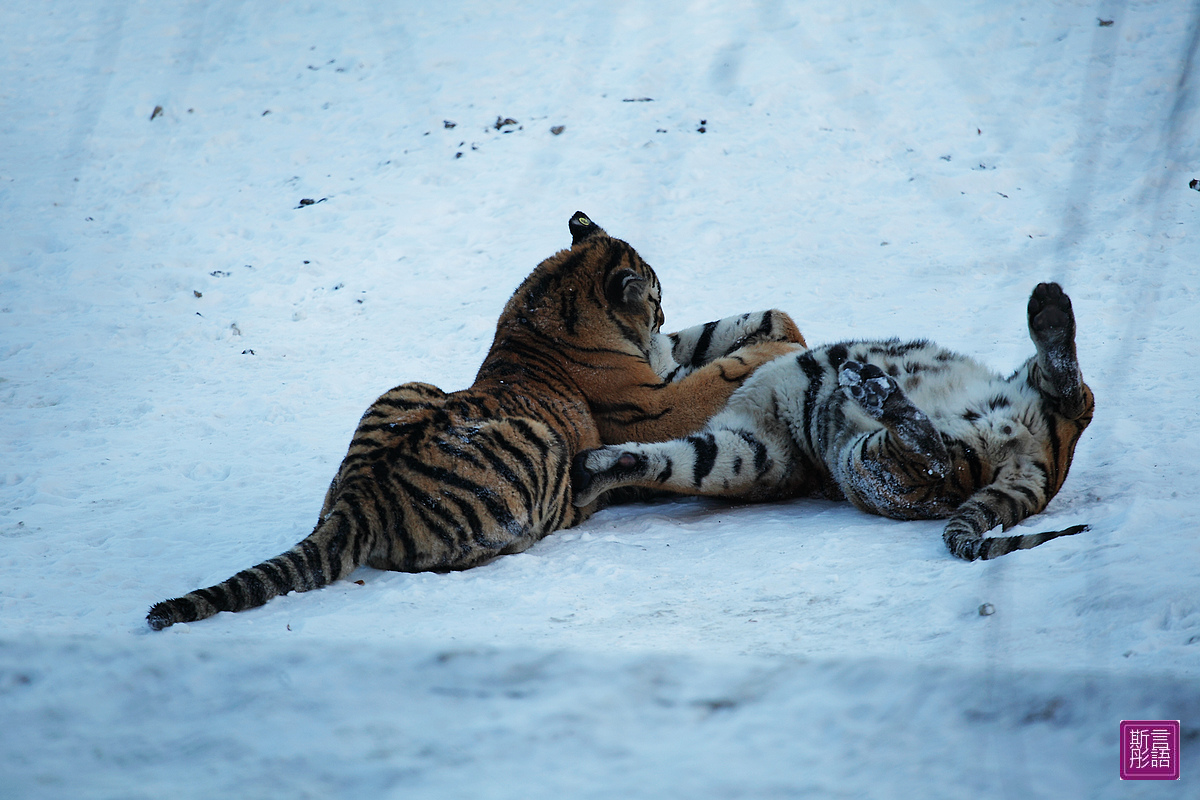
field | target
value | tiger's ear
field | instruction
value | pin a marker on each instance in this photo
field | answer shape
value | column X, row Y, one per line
column 582, row 228
column 625, row 288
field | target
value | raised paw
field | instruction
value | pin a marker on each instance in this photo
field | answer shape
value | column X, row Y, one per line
column 1051, row 320
column 594, row 472
column 867, row 385
column 1052, row 328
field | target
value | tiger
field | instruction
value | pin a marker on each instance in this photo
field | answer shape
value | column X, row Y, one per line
column 437, row 481
column 907, row 430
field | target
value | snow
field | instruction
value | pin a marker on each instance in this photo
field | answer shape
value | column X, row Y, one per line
column 185, row 350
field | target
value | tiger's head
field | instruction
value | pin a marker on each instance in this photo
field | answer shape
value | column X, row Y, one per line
column 599, row 294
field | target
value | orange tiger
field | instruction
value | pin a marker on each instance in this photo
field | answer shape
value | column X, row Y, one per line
column 437, row 481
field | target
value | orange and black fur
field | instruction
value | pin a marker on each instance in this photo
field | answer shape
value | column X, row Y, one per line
column 908, row 430
column 437, row 481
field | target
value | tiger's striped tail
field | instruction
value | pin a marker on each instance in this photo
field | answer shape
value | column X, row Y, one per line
column 335, row 548
column 966, row 532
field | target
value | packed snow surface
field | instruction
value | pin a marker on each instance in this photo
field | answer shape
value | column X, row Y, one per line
column 187, row 342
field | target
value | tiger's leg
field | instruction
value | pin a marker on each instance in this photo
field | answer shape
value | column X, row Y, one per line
column 1067, row 402
column 678, row 354
column 732, row 457
column 1054, row 371
column 656, row 410
column 895, row 470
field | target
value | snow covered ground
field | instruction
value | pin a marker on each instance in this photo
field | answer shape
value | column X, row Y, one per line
column 185, row 350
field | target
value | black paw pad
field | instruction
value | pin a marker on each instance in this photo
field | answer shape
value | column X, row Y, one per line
column 1050, row 311
column 866, row 384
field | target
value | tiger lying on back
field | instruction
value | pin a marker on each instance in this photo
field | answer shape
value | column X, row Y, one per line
column 437, row 481
column 906, row 430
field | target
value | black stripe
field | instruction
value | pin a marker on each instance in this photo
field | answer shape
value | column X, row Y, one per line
column 1055, row 442
column 470, row 519
column 458, row 452
column 812, row 370
column 560, row 480
column 702, row 344
column 216, row 596
column 974, row 465
column 985, row 517
column 632, row 414
column 543, row 354
column 483, row 406
column 252, row 588
column 518, row 455
column 837, row 355
column 385, row 423
column 236, row 593
column 353, row 516
column 390, row 501
column 505, row 471
column 484, row 494
column 526, row 430
column 768, row 322
column 760, row 450
column 312, row 556
column 300, row 580
column 569, row 312
column 353, row 460
column 276, row 575
column 185, row 609
column 705, row 447
column 864, row 450
column 385, row 408
column 550, row 414
column 1005, row 505
column 334, row 548
column 445, row 528
column 537, row 284
column 1027, row 493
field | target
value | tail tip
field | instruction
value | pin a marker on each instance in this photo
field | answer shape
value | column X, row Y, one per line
column 983, row 548
column 161, row 615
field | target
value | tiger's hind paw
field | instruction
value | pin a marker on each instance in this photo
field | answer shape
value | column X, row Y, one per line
column 1052, row 328
column 867, row 385
column 1051, row 319
column 595, row 471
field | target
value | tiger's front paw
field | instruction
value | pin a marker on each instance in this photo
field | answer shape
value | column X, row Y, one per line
column 867, row 385
column 595, row 471
column 774, row 326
